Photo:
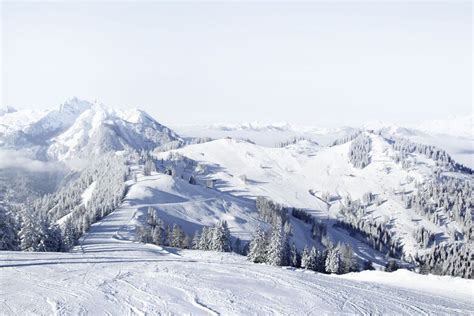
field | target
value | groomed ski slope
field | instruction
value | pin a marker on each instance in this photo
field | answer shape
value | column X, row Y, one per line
column 111, row 274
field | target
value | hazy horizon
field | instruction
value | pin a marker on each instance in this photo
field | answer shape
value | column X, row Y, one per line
column 318, row 64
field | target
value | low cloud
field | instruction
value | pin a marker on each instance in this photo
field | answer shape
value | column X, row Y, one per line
column 15, row 159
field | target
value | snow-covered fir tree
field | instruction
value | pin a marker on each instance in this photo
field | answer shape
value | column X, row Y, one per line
column 333, row 262
column 258, row 247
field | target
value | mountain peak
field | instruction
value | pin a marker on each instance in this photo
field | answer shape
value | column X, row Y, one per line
column 74, row 105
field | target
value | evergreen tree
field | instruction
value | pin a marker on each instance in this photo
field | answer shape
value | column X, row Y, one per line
column 333, row 261
column 313, row 259
column 257, row 248
column 275, row 254
column 204, row 242
column 295, row 260
column 305, row 258
column 177, row 239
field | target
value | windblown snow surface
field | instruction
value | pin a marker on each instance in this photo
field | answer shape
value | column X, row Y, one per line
column 110, row 273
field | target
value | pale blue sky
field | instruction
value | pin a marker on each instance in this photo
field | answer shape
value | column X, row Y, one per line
column 308, row 63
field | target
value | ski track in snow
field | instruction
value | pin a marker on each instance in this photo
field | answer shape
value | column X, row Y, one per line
column 110, row 274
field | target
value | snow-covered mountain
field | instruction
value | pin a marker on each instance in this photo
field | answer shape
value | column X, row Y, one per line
column 374, row 197
column 457, row 140
column 79, row 129
column 299, row 174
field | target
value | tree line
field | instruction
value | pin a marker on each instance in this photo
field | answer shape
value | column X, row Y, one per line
column 56, row 221
column 215, row 238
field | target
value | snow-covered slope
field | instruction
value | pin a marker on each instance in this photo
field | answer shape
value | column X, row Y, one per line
column 109, row 273
column 191, row 206
column 299, row 174
column 78, row 129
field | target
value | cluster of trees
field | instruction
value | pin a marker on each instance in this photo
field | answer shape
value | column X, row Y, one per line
column 444, row 199
column 109, row 176
column 359, row 151
column 28, row 231
column 406, row 147
column 376, row 234
column 344, row 140
column 55, row 221
column 449, row 258
column 158, row 233
column 334, row 259
column 214, row 238
column 38, row 234
column 273, row 246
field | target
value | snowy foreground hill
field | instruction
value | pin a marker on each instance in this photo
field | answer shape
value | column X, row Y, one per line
column 110, row 273
column 104, row 211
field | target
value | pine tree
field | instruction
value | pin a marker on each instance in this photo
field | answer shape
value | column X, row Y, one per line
column 177, row 238
column 275, row 255
column 257, row 248
column 294, row 257
column 204, row 242
column 313, row 259
column 333, row 261
column 305, row 258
